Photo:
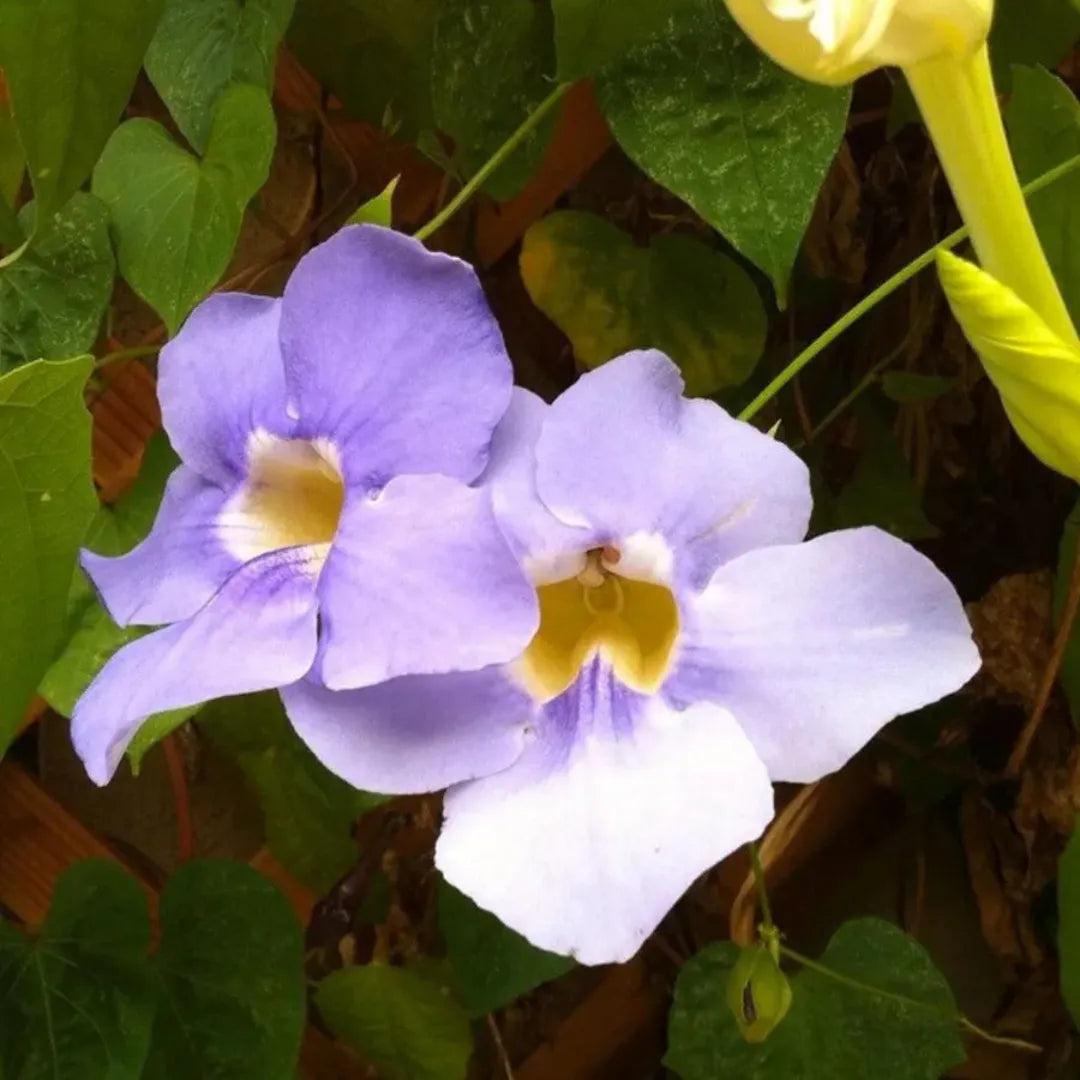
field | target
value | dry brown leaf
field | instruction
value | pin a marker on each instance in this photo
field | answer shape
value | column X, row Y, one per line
column 833, row 245
column 1012, row 629
column 997, row 868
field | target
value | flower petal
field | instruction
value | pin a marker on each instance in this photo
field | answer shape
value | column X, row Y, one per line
column 220, row 379
column 815, row 647
column 258, row 632
column 612, row 811
column 1036, row 372
column 177, row 568
column 529, row 525
column 392, row 353
column 413, row 734
column 624, row 452
column 420, row 580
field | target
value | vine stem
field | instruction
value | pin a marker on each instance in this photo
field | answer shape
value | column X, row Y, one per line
column 821, row 343
column 125, row 354
column 762, row 890
column 477, row 180
column 1050, row 672
column 866, row 988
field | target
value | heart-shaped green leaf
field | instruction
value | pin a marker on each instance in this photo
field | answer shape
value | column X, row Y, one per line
column 52, row 300
column 175, row 218
column 376, row 56
column 202, row 46
column 609, row 295
column 590, row 34
column 231, row 974
column 405, row 1020
column 47, row 501
column 70, row 66
column 703, row 111
column 79, row 1000
column 897, row 1023
column 490, row 67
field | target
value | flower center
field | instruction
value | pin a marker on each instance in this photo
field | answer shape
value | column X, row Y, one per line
column 293, row 497
column 632, row 623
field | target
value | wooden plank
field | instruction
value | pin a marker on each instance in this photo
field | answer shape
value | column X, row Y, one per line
column 39, row 840
column 299, row 896
column 621, row 1012
column 125, row 415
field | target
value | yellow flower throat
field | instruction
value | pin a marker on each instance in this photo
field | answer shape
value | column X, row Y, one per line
column 632, row 623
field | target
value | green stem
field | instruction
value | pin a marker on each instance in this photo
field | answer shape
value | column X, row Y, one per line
column 13, row 257
column 960, row 108
column 869, row 302
column 489, row 166
column 125, row 354
column 866, row 988
column 759, row 883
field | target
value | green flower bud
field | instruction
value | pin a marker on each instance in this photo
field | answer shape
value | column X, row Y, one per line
column 758, row 993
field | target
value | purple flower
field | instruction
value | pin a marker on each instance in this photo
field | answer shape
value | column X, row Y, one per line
column 691, row 650
column 322, row 523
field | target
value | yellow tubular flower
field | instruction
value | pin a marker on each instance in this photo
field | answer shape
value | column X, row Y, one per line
column 1036, row 372
column 836, row 41
column 959, row 105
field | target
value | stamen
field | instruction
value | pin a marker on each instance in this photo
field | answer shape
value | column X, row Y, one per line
column 592, row 575
column 612, row 588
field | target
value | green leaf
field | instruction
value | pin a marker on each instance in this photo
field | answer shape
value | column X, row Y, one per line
column 230, row 968
column 93, row 638
column 377, row 211
column 590, row 34
column 403, row 1021
column 79, row 1001
column 1044, row 130
column 1031, row 32
column 833, row 1029
column 490, row 67
column 70, row 67
column 52, row 300
column 47, row 501
column 493, row 965
column 906, row 387
column 1069, row 924
column 308, row 812
column 203, row 46
column 705, row 113
column 1069, row 675
column 176, row 219
column 375, row 56
column 609, row 295
column 882, row 490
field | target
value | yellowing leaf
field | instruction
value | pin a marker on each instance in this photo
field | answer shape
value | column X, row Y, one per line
column 1036, row 373
column 609, row 295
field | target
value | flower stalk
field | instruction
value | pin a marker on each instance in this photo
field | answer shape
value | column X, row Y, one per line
column 959, row 105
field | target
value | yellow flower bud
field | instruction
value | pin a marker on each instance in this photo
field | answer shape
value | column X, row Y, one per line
column 1036, row 372
column 758, row 993
column 836, row 41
